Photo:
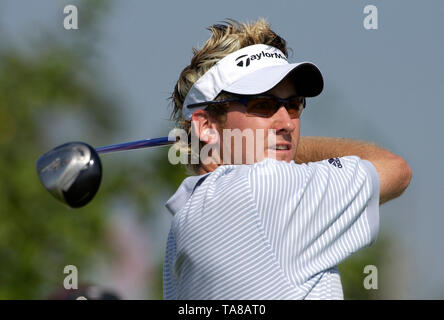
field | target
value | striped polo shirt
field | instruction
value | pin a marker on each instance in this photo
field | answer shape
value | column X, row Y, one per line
column 270, row 230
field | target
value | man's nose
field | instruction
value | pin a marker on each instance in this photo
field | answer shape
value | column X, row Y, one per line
column 282, row 121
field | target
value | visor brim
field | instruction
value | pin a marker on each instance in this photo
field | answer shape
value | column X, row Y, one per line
column 306, row 76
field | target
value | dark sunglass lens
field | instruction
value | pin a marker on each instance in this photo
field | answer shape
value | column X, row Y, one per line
column 263, row 107
column 295, row 107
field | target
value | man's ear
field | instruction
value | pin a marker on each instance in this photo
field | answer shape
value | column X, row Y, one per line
column 205, row 127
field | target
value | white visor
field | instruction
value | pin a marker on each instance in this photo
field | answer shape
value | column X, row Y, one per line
column 252, row 70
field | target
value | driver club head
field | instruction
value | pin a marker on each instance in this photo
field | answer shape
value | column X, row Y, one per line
column 71, row 172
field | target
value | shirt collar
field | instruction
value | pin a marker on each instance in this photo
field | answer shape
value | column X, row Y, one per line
column 184, row 192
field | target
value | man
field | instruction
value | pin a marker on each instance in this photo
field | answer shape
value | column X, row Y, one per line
column 275, row 222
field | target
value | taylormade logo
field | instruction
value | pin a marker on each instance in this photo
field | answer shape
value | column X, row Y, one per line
column 244, row 60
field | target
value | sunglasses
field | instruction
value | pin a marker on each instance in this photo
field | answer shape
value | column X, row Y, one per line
column 264, row 105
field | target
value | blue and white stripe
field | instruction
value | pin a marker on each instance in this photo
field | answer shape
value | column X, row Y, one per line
column 271, row 230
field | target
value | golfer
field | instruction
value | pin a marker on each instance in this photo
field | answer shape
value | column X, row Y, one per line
column 271, row 221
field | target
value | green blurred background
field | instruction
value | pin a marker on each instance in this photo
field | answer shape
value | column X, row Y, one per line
column 39, row 236
column 56, row 86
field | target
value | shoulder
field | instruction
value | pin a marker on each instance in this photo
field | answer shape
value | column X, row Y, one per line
column 340, row 165
column 273, row 174
column 336, row 173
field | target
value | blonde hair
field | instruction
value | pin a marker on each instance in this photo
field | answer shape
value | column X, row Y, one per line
column 225, row 39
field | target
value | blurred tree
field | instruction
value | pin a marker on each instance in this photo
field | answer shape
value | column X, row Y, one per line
column 38, row 235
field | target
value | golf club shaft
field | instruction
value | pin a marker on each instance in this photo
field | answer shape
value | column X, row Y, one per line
column 139, row 144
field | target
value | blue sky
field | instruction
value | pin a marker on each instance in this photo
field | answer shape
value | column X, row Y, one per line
column 383, row 85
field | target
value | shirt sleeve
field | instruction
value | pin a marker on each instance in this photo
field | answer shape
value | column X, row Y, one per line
column 315, row 215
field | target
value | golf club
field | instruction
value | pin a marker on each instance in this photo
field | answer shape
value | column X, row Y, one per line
column 72, row 172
